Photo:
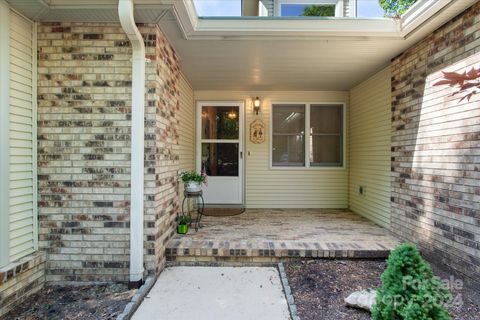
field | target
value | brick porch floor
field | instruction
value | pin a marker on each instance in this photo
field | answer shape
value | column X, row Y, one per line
column 272, row 235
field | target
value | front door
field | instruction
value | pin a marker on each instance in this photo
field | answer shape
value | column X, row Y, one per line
column 220, row 150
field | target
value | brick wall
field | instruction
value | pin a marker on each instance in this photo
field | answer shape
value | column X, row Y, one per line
column 84, row 112
column 436, row 147
column 161, row 146
column 21, row 279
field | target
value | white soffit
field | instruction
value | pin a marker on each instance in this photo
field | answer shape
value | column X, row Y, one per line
column 279, row 64
column 85, row 10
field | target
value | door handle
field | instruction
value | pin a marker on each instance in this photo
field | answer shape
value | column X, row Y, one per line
column 241, row 154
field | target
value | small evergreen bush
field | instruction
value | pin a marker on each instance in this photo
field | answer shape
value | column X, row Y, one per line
column 409, row 289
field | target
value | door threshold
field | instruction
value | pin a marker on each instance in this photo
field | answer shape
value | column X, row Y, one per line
column 223, row 210
column 235, row 206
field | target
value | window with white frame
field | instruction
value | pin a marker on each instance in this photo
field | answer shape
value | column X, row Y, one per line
column 295, row 8
column 321, row 147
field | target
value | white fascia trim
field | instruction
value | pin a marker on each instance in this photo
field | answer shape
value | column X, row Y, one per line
column 421, row 11
column 297, row 28
column 4, row 132
column 425, row 13
column 125, row 13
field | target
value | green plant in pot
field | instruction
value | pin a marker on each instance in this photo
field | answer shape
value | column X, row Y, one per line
column 193, row 180
column 183, row 221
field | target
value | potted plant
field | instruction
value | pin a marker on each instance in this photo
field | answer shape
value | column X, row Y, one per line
column 183, row 223
column 193, row 180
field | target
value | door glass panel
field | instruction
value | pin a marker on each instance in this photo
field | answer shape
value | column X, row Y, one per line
column 220, row 122
column 220, row 159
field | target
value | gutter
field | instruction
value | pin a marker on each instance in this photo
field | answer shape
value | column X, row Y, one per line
column 127, row 20
column 4, row 133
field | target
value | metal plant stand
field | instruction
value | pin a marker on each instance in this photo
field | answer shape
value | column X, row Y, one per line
column 197, row 198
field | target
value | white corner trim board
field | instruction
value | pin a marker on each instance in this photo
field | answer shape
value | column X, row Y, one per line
column 4, row 131
column 125, row 12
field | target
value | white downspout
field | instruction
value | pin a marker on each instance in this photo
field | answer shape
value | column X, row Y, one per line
column 125, row 12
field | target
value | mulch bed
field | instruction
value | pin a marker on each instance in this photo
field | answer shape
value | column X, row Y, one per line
column 319, row 288
column 74, row 303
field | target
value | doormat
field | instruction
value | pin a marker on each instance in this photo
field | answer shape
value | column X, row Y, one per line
column 223, row 212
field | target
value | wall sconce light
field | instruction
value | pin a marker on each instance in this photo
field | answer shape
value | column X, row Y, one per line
column 256, row 105
column 232, row 115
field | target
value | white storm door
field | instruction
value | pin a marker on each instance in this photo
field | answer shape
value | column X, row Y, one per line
column 220, row 150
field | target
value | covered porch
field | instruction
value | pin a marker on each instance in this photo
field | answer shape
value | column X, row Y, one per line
column 270, row 235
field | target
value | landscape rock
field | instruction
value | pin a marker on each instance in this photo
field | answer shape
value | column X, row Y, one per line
column 364, row 299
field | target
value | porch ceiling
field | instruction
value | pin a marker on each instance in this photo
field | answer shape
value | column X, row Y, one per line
column 279, row 64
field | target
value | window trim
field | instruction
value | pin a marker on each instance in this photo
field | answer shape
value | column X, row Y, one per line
column 307, row 165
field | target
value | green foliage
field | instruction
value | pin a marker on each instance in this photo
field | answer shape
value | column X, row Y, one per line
column 183, row 219
column 395, row 8
column 409, row 289
column 188, row 176
column 319, row 11
column 227, row 127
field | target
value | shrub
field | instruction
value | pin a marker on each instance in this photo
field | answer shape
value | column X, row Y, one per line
column 395, row 8
column 409, row 289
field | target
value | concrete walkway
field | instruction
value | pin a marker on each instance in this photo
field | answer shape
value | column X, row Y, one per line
column 211, row 293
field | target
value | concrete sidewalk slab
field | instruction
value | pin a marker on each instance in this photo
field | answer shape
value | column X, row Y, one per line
column 211, row 293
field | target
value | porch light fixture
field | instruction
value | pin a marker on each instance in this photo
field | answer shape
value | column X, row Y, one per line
column 256, row 105
column 232, row 115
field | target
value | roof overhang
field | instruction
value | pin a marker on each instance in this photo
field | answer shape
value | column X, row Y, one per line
column 194, row 27
column 262, row 53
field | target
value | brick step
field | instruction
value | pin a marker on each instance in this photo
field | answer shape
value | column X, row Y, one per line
column 247, row 254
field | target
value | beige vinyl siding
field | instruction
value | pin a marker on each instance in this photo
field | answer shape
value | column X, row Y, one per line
column 285, row 188
column 186, row 128
column 22, row 166
column 370, row 148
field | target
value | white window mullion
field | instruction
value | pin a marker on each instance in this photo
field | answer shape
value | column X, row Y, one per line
column 307, row 135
